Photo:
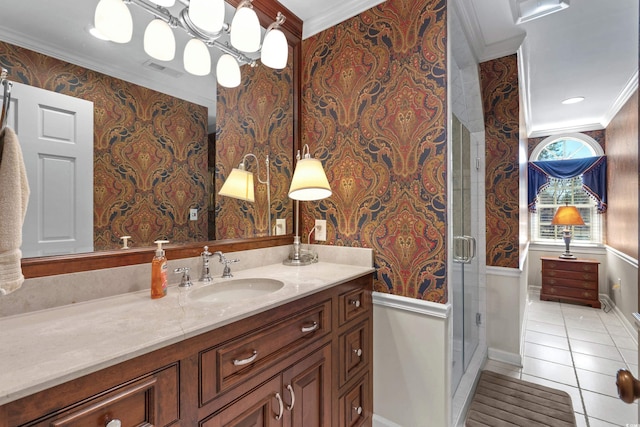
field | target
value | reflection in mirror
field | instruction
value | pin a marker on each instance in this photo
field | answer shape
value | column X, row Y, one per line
column 152, row 156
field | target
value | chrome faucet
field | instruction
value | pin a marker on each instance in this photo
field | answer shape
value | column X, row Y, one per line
column 206, row 272
column 226, row 272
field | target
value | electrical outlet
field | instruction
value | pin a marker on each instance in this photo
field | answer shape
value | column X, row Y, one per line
column 281, row 227
column 321, row 230
column 193, row 214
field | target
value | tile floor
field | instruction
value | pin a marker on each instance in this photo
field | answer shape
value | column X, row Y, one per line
column 578, row 349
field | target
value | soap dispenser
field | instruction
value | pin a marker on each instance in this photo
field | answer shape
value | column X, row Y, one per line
column 159, row 272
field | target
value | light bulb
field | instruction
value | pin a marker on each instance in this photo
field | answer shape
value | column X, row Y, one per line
column 245, row 30
column 159, row 41
column 275, row 49
column 208, row 15
column 228, row 71
column 113, row 20
column 197, row 59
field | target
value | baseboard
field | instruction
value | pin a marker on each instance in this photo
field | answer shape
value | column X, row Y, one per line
column 379, row 421
column 505, row 357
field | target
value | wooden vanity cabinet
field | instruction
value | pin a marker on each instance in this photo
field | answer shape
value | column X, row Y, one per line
column 309, row 360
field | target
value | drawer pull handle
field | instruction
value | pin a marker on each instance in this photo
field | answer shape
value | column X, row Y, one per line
column 293, row 397
column 246, row 361
column 355, row 302
column 358, row 409
column 280, row 406
column 114, row 423
column 358, row 352
column 311, row 328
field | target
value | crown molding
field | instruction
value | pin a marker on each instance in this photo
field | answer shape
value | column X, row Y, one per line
column 566, row 129
column 629, row 89
column 313, row 26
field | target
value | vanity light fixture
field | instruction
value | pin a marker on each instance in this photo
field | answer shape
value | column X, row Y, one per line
column 203, row 20
column 567, row 216
column 239, row 184
column 309, row 183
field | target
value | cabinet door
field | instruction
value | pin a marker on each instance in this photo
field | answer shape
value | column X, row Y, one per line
column 307, row 390
column 263, row 407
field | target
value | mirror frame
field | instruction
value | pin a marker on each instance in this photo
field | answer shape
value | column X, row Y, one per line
column 74, row 263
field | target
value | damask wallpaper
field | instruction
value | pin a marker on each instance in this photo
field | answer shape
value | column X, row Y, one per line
column 500, row 99
column 374, row 111
column 256, row 117
column 150, row 151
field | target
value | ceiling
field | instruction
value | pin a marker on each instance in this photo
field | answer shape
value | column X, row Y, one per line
column 589, row 49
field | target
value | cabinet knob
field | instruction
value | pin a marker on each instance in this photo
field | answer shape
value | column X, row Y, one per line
column 358, row 352
column 358, row 409
column 355, row 302
column 114, row 423
column 628, row 386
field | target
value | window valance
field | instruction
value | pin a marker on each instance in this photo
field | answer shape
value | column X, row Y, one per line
column 592, row 170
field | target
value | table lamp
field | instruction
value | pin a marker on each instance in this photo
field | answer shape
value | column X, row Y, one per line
column 567, row 216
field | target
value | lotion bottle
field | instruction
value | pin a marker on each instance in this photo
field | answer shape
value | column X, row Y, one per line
column 159, row 272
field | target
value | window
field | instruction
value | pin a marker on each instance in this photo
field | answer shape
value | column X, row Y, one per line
column 566, row 191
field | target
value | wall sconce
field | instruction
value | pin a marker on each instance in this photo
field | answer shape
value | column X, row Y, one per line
column 309, row 183
column 239, row 184
column 203, row 20
column 567, row 216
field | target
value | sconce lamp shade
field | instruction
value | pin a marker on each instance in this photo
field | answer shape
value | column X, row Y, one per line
column 113, row 20
column 567, row 215
column 159, row 41
column 309, row 181
column 275, row 49
column 239, row 185
column 228, row 71
column 207, row 15
column 197, row 60
column 245, row 28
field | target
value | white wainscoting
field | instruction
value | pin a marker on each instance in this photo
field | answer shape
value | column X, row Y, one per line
column 411, row 358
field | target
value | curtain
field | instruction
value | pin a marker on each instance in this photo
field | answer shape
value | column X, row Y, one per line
column 592, row 170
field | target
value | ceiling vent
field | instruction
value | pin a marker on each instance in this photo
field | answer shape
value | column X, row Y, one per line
column 163, row 69
column 528, row 10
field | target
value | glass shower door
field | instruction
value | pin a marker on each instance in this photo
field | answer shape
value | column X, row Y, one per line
column 465, row 263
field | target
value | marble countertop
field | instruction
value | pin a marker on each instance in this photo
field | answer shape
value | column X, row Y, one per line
column 45, row 348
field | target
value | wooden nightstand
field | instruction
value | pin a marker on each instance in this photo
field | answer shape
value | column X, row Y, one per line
column 570, row 279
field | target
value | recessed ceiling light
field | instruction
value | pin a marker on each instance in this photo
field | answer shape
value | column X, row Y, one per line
column 97, row 34
column 574, row 100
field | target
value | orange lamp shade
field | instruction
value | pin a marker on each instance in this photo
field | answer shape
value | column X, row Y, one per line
column 567, row 215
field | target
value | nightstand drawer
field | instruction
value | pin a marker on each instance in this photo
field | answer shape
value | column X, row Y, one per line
column 569, row 283
column 574, row 275
column 560, row 291
column 571, row 265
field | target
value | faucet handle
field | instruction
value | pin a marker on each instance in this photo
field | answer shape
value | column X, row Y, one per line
column 206, row 252
column 185, row 281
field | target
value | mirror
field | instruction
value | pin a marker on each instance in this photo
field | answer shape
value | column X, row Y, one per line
column 180, row 126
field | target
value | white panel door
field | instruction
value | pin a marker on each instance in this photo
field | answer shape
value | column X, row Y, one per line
column 56, row 137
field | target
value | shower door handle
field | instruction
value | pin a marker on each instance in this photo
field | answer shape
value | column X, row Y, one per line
column 464, row 249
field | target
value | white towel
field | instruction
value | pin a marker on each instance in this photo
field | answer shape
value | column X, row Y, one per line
column 14, row 196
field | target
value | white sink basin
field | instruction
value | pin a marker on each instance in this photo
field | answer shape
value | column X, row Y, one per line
column 235, row 290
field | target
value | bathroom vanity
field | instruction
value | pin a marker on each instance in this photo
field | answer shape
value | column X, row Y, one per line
column 300, row 355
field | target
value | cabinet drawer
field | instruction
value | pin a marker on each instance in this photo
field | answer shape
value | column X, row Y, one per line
column 354, row 351
column 569, row 265
column 150, row 401
column 353, row 304
column 354, row 405
column 570, row 283
column 568, row 274
column 227, row 365
column 560, row 291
